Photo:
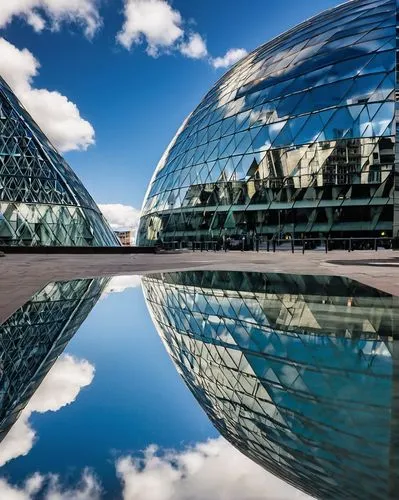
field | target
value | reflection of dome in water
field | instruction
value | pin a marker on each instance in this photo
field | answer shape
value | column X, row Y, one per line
column 298, row 372
column 35, row 335
column 298, row 137
column 42, row 202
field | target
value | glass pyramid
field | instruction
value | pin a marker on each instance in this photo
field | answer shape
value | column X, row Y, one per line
column 42, row 202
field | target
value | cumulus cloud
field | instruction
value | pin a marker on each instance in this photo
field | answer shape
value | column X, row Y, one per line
column 231, row 57
column 162, row 29
column 212, row 470
column 89, row 488
column 58, row 117
column 119, row 284
column 121, row 217
column 19, row 441
column 59, row 388
column 31, row 487
column 50, row 488
column 195, row 47
column 52, row 13
column 152, row 21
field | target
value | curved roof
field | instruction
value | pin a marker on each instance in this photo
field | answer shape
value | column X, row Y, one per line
column 330, row 78
column 288, row 373
column 42, row 201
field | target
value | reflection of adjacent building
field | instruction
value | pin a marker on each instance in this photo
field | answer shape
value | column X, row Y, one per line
column 35, row 335
column 335, row 187
column 125, row 237
column 297, row 372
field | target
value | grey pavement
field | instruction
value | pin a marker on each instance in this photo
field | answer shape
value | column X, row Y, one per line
column 24, row 274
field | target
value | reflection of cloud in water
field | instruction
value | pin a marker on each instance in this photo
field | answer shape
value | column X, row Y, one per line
column 60, row 387
column 49, row 487
column 119, row 284
column 211, row 470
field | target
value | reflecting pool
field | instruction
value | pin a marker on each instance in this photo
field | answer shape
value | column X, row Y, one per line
column 298, row 373
column 33, row 338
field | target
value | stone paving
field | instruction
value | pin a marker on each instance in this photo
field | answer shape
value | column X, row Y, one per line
column 24, row 274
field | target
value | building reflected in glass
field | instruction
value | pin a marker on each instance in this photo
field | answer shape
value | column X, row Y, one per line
column 297, row 138
column 32, row 339
column 298, row 372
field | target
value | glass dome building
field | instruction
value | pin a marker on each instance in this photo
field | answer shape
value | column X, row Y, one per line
column 299, row 373
column 42, row 202
column 33, row 338
column 297, row 138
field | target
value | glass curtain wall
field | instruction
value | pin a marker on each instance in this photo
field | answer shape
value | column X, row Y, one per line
column 298, row 138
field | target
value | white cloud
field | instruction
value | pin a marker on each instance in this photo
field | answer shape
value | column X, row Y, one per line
column 89, row 488
column 62, row 384
column 52, row 13
column 231, row 57
column 212, row 470
column 162, row 29
column 58, row 117
column 50, row 488
column 31, row 487
column 119, row 284
column 59, row 388
column 19, row 441
column 195, row 47
column 152, row 21
column 121, row 217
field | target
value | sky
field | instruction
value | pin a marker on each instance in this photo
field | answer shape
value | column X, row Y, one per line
column 113, row 420
column 111, row 81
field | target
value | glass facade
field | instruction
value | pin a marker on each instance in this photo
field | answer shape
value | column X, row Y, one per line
column 298, row 138
column 300, row 373
column 35, row 335
column 42, row 202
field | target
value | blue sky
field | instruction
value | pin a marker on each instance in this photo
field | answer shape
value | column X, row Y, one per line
column 112, row 105
column 113, row 397
column 112, row 109
column 136, row 398
column 134, row 101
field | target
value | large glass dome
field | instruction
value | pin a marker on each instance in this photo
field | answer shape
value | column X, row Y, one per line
column 297, row 138
column 288, row 373
column 42, row 202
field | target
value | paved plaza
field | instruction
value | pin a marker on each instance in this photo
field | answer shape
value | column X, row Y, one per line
column 24, row 274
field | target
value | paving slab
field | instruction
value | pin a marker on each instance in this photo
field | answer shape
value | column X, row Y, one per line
column 21, row 275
